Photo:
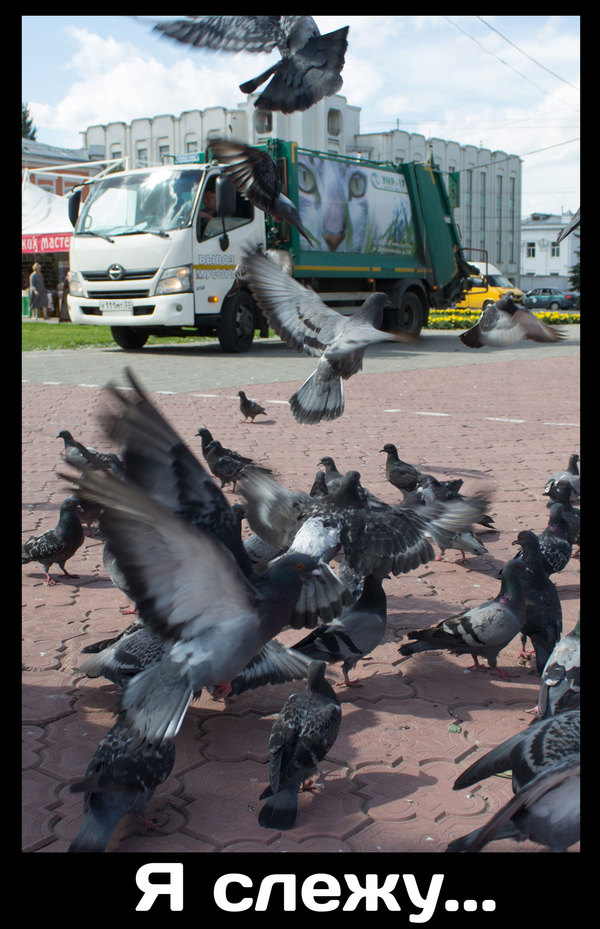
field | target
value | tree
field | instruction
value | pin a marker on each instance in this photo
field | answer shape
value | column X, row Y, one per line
column 574, row 272
column 28, row 130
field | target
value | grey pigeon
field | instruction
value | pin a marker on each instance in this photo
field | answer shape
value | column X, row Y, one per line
column 319, row 485
column 126, row 655
column 250, row 409
column 535, row 756
column 58, row 545
column 570, row 474
column 304, row 322
column 212, row 449
column 310, row 63
column 333, row 480
column 570, row 227
column 274, row 664
column 304, row 731
column 462, row 542
column 562, row 492
column 543, row 611
column 374, row 540
column 256, row 177
column 481, row 631
column 353, row 635
column 81, row 456
column 555, row 541
column 117, row 577
column 560, row 683
column 429, row 490
column 120, row 779
column 400, row 473
column 506, row 323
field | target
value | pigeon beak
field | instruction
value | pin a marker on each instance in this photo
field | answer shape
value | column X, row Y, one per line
column 516, row 542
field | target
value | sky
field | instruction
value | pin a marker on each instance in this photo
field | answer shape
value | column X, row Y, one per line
column 508, row 83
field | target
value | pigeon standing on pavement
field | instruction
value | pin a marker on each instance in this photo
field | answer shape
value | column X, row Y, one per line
column 555, row 541
column 544, row 760
column 399, row 473
column 506, row 323
column 58, row 545
column 561, row 677
column 250, row 409
column 120, row 779
column 81, row 456
column 481, row 631
column 543, row 610
column 310, row 65
column 304, row 731
column 561, row 492
column 304, row 322
column 255, row 175
column 121, row 658
column 570, row 474
column 353, row 635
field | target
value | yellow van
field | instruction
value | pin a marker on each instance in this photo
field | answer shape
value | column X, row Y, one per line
column 488, row 288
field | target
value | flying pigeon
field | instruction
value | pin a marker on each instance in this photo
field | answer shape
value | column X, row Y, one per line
column 543, row 611
column 250, row 409
column 570, row 474
column 303, row 321
column 56, row 546
column 121, row 778
column 560, row 684
column 535, row 756
column 360, row 628
column 480, row 631
column 304, row 731
column 374, row 540
column 255, row 175
column 429, row 489
column 570, row 227
column 310, row 63
column 274, row 664
column 399, row 473
column 505, row 323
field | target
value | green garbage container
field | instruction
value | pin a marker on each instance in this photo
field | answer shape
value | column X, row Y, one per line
column 25, row 308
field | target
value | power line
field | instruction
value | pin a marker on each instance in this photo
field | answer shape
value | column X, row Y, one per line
column 498, row 161
column 538, row 63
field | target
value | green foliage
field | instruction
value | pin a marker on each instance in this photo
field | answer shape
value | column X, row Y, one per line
column 28, row 130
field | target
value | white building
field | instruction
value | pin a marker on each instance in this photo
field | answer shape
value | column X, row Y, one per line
column 543, row 262
column 488, row 184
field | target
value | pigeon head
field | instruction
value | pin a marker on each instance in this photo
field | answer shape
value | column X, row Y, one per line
column 388, row 447
column 508, row 305
column 65, row 435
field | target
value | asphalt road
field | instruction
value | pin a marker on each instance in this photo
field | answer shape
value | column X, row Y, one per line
column 194, row 366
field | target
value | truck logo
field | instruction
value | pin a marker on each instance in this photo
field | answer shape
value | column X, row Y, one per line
column 116, row 272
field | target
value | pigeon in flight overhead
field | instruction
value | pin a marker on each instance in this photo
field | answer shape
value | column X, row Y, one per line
column 255, row 175
column 250, row 409
column 120, row 779
column 570, row 474
column 544, row 760
column 505, row 323
column 56, row 546
column 310, row 64
column 304, row 322
column 304, row 731
column 480, row 631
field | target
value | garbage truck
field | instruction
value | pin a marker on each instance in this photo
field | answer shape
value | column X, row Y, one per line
column 152, row 255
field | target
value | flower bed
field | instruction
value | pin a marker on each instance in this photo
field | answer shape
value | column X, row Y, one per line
column 464, row 319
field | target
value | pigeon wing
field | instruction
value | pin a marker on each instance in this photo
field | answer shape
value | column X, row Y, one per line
column 225, row 33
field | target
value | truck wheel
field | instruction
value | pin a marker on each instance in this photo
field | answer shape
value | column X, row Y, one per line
column 238, row 320
column 129, row 337
column 410, row 315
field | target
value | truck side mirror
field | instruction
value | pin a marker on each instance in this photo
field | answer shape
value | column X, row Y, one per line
column 225, row 192
column 74, row 202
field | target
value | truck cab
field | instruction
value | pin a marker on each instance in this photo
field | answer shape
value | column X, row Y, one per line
column 487, row 287
column 150, row 254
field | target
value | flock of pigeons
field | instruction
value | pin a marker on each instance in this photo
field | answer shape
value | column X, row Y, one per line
column 210, row 600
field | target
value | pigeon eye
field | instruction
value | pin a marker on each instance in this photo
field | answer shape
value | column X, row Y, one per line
column 357, row 185
column 306, row 180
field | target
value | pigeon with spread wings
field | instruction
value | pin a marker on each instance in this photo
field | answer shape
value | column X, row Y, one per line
column 506, row 323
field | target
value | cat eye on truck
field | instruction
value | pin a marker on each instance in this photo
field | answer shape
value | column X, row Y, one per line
column 151, row 254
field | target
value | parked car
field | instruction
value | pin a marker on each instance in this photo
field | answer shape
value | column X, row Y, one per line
column 487, row 288
column 550, row 298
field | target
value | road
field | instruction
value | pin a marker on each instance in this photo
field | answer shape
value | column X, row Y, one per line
column 194, row 366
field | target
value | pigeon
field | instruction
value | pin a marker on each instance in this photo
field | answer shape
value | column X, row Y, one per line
column 561, row 492
column 81, row 456
column 555, row 541
column 298, row 315
column 310, row 65
column 120, row 779
column 250, row 409
column 399, row 473
column 570, row 474
column 537, row 753
column 570, row 227
column 505, row 323
column 333, row 479
column 374, row 540
column 126, row 655
column 117, row 577
column 429, row 489
column 462, row 542
column 212, row 449
column 58, row 545
column 360, row 628
column 543, row 611
column 560, row 684
column 304, row 731
column 274, row 664
column 480, row 631
column 256, row 176
column 319, row 485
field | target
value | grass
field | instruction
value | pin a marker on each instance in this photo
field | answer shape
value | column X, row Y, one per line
column 40, row 336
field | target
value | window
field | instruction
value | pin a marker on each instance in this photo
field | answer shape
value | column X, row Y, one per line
column 142, row 156
column 163, row 151
column 334, row 122
column 263, row 121
column 555, row 250
column 242, row 214
column 530, row 249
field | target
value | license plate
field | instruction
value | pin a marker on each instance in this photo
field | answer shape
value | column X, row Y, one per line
column 116, row 306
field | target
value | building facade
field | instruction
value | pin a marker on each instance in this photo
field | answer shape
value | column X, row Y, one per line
column 543, row 262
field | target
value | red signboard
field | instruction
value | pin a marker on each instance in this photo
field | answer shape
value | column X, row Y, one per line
column 38, row 244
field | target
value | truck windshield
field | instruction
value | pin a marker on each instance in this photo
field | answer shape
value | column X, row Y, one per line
column 498, row 280
column 152, row 202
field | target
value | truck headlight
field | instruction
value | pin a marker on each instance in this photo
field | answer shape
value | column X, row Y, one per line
column 175, row 280
column 76, row 288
